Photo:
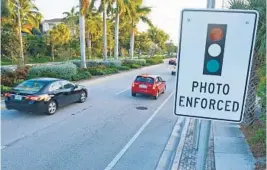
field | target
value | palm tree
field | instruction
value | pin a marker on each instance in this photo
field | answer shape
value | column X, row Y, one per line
column 71, row 18
column 259, row 53
column 84, row 5
column 59, row 35
column 93, row 28
column 22, row 16
column 105, row 7
column 122, row 7
column 137, row 12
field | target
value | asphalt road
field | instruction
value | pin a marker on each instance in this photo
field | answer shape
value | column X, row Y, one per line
column 105, row 132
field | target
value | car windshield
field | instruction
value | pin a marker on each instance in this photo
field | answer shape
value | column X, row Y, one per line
column 144, row 79
column 30, row 87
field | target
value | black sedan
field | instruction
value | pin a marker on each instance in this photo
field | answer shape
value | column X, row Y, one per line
column 44, row 95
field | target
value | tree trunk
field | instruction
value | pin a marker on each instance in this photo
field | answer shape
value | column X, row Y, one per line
column 89, row 45
column 116, row 47
column 52, row 53
column 104, row 34
column 21, row 59
column 82, row 41
column 132, row 43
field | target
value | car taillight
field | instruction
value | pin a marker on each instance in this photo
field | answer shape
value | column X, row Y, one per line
column 7, row 94
column 134, row 84
column 154, row 86
column 38, row 98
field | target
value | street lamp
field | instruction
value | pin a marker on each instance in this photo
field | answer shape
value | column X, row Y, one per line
column 21, row 60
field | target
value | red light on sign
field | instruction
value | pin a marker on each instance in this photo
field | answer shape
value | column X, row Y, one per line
column 216, row 34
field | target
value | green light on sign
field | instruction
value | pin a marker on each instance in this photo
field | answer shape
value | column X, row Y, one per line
column 213, row 66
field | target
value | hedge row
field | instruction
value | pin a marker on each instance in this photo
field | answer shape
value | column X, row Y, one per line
column 70, row 70
column 64, row 71
column 92, row 63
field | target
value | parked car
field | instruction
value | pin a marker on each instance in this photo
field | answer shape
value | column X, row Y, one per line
column 172, row 61
column 152, row 85
column 44, row 95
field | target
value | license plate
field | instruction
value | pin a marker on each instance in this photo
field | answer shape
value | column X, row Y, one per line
column 18, row 97
column 142, row 86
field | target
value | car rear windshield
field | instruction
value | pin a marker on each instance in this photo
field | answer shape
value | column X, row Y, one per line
column 142, row 79
column 30, row 87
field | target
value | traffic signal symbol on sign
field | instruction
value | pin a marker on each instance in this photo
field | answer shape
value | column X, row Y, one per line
column 214, row 50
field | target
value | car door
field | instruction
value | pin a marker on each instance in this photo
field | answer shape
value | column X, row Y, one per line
column 161, row 85
column 55, row 90
column 71, row 94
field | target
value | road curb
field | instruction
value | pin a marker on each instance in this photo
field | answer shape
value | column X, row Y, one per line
column 167, row 157
column 179, row 151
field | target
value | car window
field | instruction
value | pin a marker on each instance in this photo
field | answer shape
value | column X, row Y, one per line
column 67, row 85
column 30, row 86
column 160, row 79
column 142, row 79
column 55, row 86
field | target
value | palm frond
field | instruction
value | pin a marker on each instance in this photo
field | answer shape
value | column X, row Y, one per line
column 146, row 20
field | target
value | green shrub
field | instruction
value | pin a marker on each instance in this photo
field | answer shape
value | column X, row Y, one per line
column 82, row 74
column 93, row 63
column 62, row 71
column 123, row 67
column 259, row 136
column 154, row 60
column 5, row 89
column 141, row 62
column 135, row 66
column 97, row 70
column 102, row 70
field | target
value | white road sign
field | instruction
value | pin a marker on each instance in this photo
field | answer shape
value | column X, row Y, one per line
column 213, row 63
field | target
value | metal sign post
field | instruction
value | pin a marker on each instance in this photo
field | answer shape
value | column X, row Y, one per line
column 205, row 126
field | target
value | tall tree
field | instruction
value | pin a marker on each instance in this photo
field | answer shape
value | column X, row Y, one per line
column 137, row 12
column 122, row 7
column 158, row 36
column 84, row 5
column 71, row 19
column 259, row 58
column 93, row 28
column 57, row 36
column 105, row 7
column 21, row 16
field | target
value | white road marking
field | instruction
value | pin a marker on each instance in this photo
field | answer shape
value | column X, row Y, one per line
column 131, row 141
column 122, row 91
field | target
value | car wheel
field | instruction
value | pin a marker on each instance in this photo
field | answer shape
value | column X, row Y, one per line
column 134, row 94
column 51, row 107
column 157, row 95
column 83, row 97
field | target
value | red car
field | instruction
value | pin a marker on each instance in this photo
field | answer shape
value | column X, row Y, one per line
column 152, row 85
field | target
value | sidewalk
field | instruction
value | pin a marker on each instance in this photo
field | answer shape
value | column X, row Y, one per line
column 228, row 149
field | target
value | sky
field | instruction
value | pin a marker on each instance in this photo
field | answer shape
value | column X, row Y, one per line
column 165, row 13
